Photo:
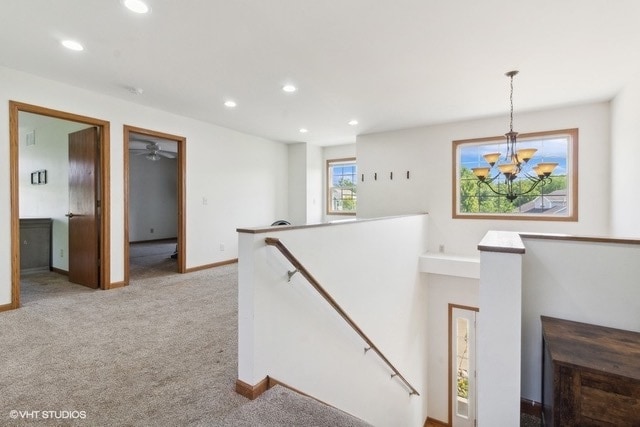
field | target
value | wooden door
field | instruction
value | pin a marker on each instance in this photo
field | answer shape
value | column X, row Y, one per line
column 84, row 214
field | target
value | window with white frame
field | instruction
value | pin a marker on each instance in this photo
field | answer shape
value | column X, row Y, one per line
column 342, row 176
column 552, row 199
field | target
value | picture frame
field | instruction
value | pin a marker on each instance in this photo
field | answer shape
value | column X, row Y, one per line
column 39, row 177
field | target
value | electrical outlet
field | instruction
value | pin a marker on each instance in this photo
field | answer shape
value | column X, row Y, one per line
column 221, row 247
column 151, row 230
column 204, row 201
column 61, row 253
column 441, row 248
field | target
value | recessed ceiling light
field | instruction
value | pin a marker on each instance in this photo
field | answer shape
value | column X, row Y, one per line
column 353, row 122
column 303, row 130
column 230, row 104
column 72, row 45
column 136, row 6
column 289, row 88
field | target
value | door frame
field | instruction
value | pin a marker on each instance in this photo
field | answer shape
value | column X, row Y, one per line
column 15, row 108
column 450, row 329
column 180, row 160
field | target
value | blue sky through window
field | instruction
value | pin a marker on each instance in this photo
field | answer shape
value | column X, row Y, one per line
column 549, row 150
column 346, row 171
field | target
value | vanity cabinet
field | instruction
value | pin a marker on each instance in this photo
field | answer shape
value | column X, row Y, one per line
column 591, row 375
column 35, row 244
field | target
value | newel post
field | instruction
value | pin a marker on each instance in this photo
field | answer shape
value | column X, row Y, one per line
column 499, row 329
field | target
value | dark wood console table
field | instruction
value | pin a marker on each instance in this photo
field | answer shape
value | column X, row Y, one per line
column 591, row 375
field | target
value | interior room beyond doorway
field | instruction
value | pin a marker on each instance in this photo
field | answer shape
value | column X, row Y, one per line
column 154, row 198
column 41, row 211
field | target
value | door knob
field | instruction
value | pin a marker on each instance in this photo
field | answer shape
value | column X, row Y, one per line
column 69, row 215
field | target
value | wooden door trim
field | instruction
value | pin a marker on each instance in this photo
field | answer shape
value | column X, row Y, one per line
column 15, row 108
column 450, row 352
column 181, row 192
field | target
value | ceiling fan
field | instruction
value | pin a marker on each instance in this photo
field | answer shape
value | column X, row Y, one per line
column 152, row 151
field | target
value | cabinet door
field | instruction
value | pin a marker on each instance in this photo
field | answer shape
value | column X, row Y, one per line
column 35, row 245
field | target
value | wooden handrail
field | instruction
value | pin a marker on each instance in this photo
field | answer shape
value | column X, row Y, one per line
column 272, row 241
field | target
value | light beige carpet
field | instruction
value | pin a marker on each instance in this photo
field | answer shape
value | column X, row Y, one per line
column 160, row 352
column 152, row 259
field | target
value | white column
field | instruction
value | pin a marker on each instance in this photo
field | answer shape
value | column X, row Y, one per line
column 499, row 329
column 246, row 328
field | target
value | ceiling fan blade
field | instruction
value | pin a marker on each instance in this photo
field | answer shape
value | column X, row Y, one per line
column 167, row 154
column 143, row 141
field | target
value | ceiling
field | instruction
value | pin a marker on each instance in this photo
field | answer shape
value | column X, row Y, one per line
column 389, row 64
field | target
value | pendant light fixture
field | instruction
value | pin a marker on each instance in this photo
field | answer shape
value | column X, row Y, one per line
column 513, row 166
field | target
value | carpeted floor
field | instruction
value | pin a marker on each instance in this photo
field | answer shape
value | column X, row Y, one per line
column 160, row 352
column 527, row 420
column 152, row 259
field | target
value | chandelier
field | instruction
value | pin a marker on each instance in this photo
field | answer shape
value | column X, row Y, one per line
column 514, row 167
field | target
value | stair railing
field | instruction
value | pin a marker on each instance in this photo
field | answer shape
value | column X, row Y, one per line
column 299, row 268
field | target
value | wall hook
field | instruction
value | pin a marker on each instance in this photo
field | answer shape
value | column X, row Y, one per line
column 291, row 273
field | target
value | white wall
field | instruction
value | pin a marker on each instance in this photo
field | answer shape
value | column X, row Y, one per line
column 581, row 281
column 244, row 178
column 153, row 201
column 287, row 331
column 314, row 184
column 308, row 181
column 305, row 184
column 332, row 152
column 625, row 130
column 51, row 200
column 297, row 184
column 427, row 153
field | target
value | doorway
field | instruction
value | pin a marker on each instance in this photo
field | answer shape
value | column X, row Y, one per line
column 462, row 366
column 154, row 148
column 101, row 199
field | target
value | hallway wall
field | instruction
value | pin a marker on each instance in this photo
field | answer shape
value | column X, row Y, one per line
column 153, row 199
column 232, row 179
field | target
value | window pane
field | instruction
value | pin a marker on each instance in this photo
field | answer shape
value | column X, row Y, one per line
column 462, row 366
column 342, row 191
column 529, row 196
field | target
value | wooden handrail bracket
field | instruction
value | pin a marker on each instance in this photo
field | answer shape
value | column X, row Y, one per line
column 299, row 268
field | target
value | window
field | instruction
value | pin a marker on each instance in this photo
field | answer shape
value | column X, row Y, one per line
column 555, row 200
column 341, row 186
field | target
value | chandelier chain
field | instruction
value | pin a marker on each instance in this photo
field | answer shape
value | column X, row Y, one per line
column 511, row 102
